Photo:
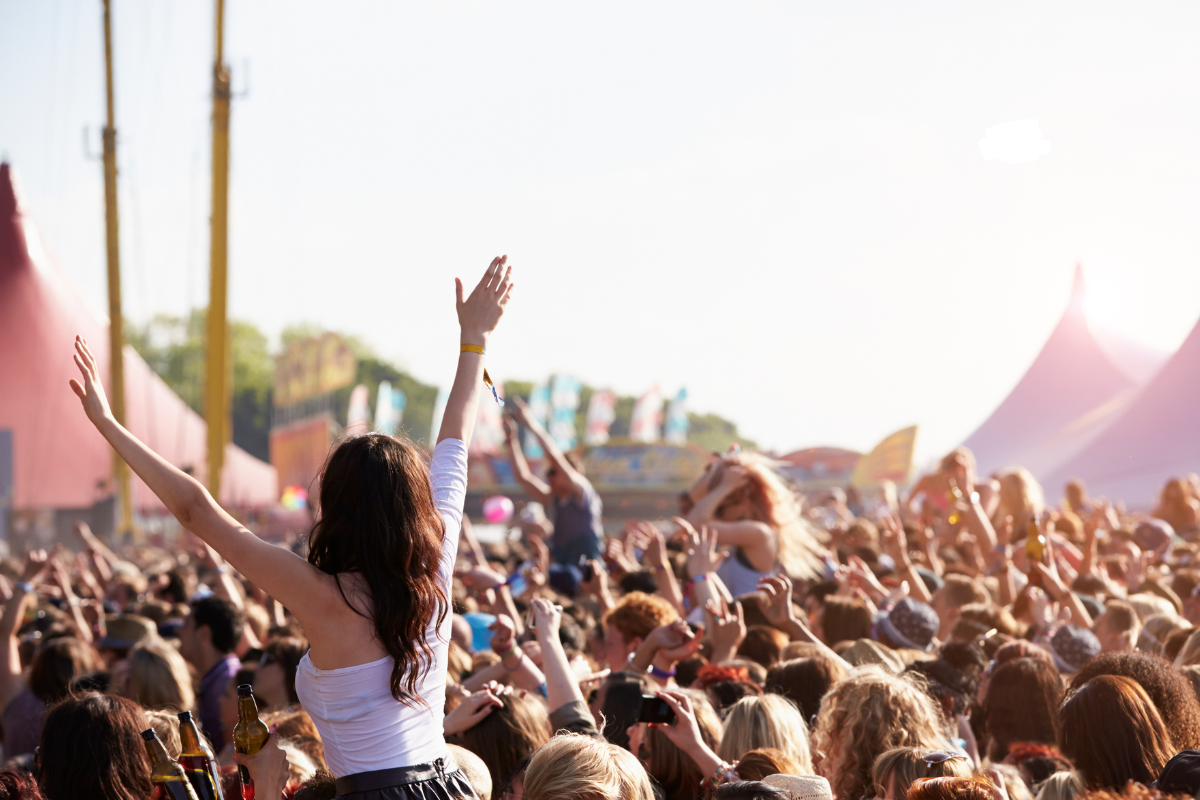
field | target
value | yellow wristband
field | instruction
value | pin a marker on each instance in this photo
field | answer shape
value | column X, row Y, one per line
column 472, row 348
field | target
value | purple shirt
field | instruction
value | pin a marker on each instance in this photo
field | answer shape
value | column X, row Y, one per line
column 212, row 686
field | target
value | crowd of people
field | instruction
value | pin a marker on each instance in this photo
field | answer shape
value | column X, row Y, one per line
column 965, row 640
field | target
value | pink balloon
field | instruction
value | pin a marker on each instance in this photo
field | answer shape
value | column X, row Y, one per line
column 497, row 509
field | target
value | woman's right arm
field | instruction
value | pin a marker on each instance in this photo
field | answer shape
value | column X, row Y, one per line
column 282, row 574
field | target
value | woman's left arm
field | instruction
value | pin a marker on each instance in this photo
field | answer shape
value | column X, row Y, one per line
column 478, row 316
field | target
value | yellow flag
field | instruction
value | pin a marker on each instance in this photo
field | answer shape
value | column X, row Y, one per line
column 891, row 460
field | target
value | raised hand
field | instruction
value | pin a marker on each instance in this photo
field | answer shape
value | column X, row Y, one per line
column 547, row 617
column 471, row 711
column 776, row 603
column 90, row 392
column 727, row 629
column 35, row 564
column 703, row 556
column 479, row 313
column 684, row 733
column 503, row 632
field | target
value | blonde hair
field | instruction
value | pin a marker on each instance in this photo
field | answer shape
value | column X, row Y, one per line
column 166, row 727
column 1189, row 654
column 870, row 712
column 572, row 766
column 159, row 677
column 1148, row 604
column 1021, row 497
column 900, row 766
column 798, row 546
column 766, row 721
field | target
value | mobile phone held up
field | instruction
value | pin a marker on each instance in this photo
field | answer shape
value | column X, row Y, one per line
column 655, row 709
column 589, row 569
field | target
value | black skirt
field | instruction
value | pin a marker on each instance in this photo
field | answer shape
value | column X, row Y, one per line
column 441, row 780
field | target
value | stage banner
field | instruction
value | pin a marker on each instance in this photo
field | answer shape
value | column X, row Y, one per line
column 646, row 423
column 676, row 429
column 358, row 415
column 564, row 402
column 539, row 409
column 602, row 410
column 389, row 408
column 312, row 367
column 659, row 467
column 298, row 451
column 891, row 460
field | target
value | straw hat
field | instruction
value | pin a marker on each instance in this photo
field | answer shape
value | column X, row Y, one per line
column 801, row 787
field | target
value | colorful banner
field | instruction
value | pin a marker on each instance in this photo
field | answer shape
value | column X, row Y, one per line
column 312, row 367
column 539, row 408
column 358, row 415
column 298, row 451
column 646, row 423
column 676, row 429
column 488, row 438
column 891, row 460
column 389, row 408
column 602, row 410
column 658, row 466
column 564, row 402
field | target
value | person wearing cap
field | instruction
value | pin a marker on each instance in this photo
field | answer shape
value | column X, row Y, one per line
column 1072, row 646
column 123, row 633
column 909, row 624
column 801, row 787
column 207, row 640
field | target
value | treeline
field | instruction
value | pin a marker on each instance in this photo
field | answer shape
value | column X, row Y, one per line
column 174, row 349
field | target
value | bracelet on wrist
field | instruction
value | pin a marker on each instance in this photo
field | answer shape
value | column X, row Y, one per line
column 633, row 667
column 701, row 577
column 662, row 674
column 724, row 773
column 24, row 586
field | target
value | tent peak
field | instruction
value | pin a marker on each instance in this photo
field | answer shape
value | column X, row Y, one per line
column 1078, row 290
column 9, row 202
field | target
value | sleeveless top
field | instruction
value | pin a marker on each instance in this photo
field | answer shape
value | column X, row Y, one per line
column 578, row 531
column 738, row 576
column 364, row 728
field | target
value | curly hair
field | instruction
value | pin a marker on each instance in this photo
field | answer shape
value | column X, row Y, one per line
column 638, row 613
column 868, row 713
column 1169, row 690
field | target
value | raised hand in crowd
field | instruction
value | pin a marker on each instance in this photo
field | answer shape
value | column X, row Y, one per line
column 727, row 629
column 684, row 732
column 472, row 709
column 268, row 767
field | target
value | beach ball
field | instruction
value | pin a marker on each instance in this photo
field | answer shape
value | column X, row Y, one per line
column 497, row 509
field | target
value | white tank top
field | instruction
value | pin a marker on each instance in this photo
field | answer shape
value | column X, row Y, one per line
column 364, row 728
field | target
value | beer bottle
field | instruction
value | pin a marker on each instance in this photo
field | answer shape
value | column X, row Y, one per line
column 198, row 761
column 249, row 735
column 170, row 781
column 1035, row 549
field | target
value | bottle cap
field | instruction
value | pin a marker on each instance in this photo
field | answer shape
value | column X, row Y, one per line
column 245, row 690
column 185, row 717
column 149, row 735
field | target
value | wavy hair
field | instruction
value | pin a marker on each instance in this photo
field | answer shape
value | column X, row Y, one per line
column 766, row 721
column 378, row 519
column 865, row 715
column 799, row 547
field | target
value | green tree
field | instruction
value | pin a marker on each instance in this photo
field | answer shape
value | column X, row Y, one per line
column 174, row 348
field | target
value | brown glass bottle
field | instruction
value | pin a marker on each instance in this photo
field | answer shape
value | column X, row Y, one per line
column 249, row 735
column 170, row 781
column 198, row 761
column 1035, row 550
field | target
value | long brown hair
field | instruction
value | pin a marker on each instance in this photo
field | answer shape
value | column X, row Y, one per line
column 1023, row 696
column 1114, row 734
column 92, row 747
column 378, row 519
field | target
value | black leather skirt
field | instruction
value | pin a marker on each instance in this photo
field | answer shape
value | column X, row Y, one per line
column 440, row 780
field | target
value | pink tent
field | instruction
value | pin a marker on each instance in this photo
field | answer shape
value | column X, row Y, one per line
column 1073, row 391
column 1156, row 437
column 58, row 459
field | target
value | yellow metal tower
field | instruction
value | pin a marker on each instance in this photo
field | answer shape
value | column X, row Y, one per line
column 116, row 337
column 218, row 389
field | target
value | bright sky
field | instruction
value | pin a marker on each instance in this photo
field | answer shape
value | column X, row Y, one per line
column 783, row 206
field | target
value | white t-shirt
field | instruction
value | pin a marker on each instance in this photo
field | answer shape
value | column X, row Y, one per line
column 364, row 728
